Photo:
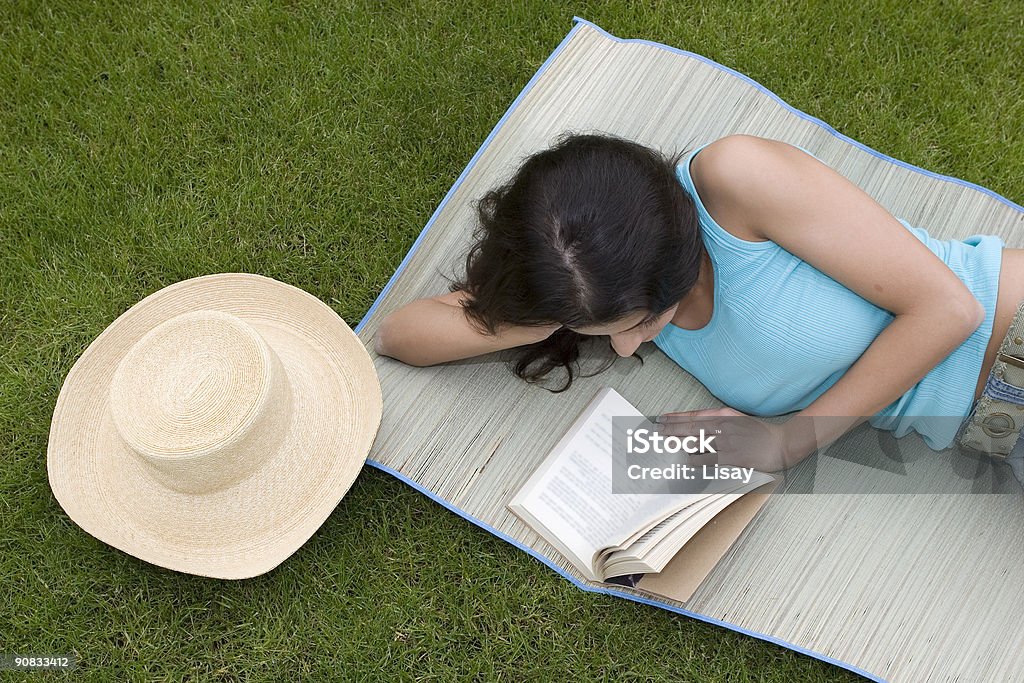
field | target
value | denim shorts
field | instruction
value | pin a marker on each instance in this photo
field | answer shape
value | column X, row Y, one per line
column 997, row 417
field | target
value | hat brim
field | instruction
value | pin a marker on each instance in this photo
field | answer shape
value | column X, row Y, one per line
column 251, row 527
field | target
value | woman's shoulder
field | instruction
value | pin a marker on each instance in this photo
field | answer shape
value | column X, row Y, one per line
column 712, row 171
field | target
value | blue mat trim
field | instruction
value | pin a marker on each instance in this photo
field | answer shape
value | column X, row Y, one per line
column 612, row 591
column 577, row 23
column 801, row 114
column 472, row 162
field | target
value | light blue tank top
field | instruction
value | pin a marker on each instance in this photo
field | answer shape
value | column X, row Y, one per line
column 782, row 332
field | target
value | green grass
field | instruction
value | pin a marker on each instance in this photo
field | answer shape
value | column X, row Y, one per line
column 151, row 142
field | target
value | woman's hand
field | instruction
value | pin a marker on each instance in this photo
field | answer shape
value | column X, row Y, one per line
column 740, row 440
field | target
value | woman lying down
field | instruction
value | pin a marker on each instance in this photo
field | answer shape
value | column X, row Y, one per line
column 768, row 276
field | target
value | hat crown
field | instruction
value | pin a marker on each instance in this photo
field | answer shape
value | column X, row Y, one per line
column 202, row 400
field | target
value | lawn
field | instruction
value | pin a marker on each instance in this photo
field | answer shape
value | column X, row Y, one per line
column 148, row 142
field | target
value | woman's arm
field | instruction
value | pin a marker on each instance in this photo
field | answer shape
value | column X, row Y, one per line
column 436, row 330
column 801, row 204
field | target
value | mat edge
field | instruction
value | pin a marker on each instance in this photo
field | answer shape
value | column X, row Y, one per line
column 579, row 22
column 613, row 592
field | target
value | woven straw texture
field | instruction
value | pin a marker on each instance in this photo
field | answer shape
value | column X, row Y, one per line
column 906, row 588
column 215, row 425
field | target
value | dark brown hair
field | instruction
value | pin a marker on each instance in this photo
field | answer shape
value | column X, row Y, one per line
column 587, row 232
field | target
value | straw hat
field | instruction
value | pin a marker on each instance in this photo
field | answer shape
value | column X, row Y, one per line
column 214, row 426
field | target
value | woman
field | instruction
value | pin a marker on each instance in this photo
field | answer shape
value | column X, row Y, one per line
column 772, row 279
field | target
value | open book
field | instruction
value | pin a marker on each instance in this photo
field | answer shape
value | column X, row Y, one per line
column 570, row 502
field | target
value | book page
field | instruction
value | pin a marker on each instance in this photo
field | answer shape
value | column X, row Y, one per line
column 569, row 499
column 650, row 535
column 691, row 518
column 652, row 551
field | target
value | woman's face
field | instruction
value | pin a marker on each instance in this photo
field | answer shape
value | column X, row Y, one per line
column 627, row 334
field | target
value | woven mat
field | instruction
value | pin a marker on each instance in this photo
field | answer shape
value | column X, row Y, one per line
column 913, row 587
